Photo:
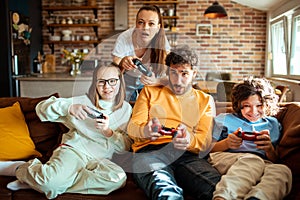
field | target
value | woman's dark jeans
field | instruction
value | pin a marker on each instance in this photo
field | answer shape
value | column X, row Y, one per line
column 167, row 173
column 133, row 86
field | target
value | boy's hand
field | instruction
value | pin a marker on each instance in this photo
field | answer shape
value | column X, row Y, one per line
column 233, row 141
column 264, row 141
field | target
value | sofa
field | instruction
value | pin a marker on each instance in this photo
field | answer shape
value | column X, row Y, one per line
column 46, row 136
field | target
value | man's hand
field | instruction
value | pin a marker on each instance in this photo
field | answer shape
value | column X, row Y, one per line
column 150, row 132
column 182, row 139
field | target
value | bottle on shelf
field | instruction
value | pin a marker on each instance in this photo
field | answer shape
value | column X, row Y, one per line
column 37, row 63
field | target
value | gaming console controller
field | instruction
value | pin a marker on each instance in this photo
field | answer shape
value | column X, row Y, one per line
column 251, row 136
column 96, row 114
column 162, row 129
column 141, row 67
column 168, row 131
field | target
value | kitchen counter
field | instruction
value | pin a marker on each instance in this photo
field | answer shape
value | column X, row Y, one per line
column 37, row 85
column 54, row 77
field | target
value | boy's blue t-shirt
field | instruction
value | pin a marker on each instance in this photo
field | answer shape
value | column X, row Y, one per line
column 227, row 123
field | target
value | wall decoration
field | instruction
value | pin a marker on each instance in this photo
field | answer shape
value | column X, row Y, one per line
column 21, row 28
column 204, row 30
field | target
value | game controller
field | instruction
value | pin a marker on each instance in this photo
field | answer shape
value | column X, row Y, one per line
column 96, row 114
column 245, row 135
column 167, row 131
column 141, row 67
column 156, row 127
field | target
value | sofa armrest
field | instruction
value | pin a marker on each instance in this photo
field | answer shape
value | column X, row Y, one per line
column 45, row 135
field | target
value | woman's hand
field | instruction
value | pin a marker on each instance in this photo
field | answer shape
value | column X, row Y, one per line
column 146, row 80
column 182, row 139
column 127, row 64
column 103, row 126
column 233, row 141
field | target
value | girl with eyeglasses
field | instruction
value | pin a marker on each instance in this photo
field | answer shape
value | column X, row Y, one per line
column 82, row 162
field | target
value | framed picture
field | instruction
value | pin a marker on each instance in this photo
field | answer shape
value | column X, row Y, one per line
column 204, row 30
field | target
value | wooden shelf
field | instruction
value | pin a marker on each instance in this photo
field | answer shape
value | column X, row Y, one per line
column 160, row 2
column 168, row 32
column 170, row 17
column 52, row 26
column 73, row 25
column 51, row 9
column 73, row 42
column 57, row 8
column 61, row 42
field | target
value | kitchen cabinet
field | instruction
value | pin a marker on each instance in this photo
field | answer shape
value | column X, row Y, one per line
column 66, row 85
column 83, row 24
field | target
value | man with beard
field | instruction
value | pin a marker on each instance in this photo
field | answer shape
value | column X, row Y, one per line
column 171, row 127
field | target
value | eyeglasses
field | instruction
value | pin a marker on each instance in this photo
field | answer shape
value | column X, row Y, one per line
column 111, row 82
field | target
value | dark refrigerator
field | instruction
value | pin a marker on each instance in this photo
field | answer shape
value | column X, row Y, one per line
column 19, row 46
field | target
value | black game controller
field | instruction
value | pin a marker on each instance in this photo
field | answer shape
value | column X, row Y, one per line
column 251, row 136
column 96, row 114
column 141, row 67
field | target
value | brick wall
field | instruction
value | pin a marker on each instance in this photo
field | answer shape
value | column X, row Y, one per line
column 237, row 44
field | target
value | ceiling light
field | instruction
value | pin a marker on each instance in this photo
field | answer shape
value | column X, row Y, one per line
column 215, row 11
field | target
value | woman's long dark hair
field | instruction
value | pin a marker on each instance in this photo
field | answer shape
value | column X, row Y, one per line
column 157, row 51
column 93, row 94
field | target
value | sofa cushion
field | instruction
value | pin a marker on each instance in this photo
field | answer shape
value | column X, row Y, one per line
column 289, row 143
column 45, row 135
column 289, row 148
column 15, row 141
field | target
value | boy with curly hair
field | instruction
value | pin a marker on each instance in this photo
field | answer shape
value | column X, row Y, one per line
column 245, row 149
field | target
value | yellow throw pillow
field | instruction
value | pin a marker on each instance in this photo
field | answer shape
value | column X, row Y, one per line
column 15, row 141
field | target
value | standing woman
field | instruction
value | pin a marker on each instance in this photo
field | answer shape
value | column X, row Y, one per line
column 147, row 42
column 81, row 164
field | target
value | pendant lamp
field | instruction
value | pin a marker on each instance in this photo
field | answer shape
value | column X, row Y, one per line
column 215, row 11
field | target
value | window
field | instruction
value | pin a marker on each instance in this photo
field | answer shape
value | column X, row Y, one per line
column 285, row 46
column 279, row 46
column 295, row 46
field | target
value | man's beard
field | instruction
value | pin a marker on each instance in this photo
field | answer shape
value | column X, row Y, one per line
column 181, row 90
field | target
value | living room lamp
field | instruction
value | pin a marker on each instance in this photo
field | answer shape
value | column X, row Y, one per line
column 215, row 11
